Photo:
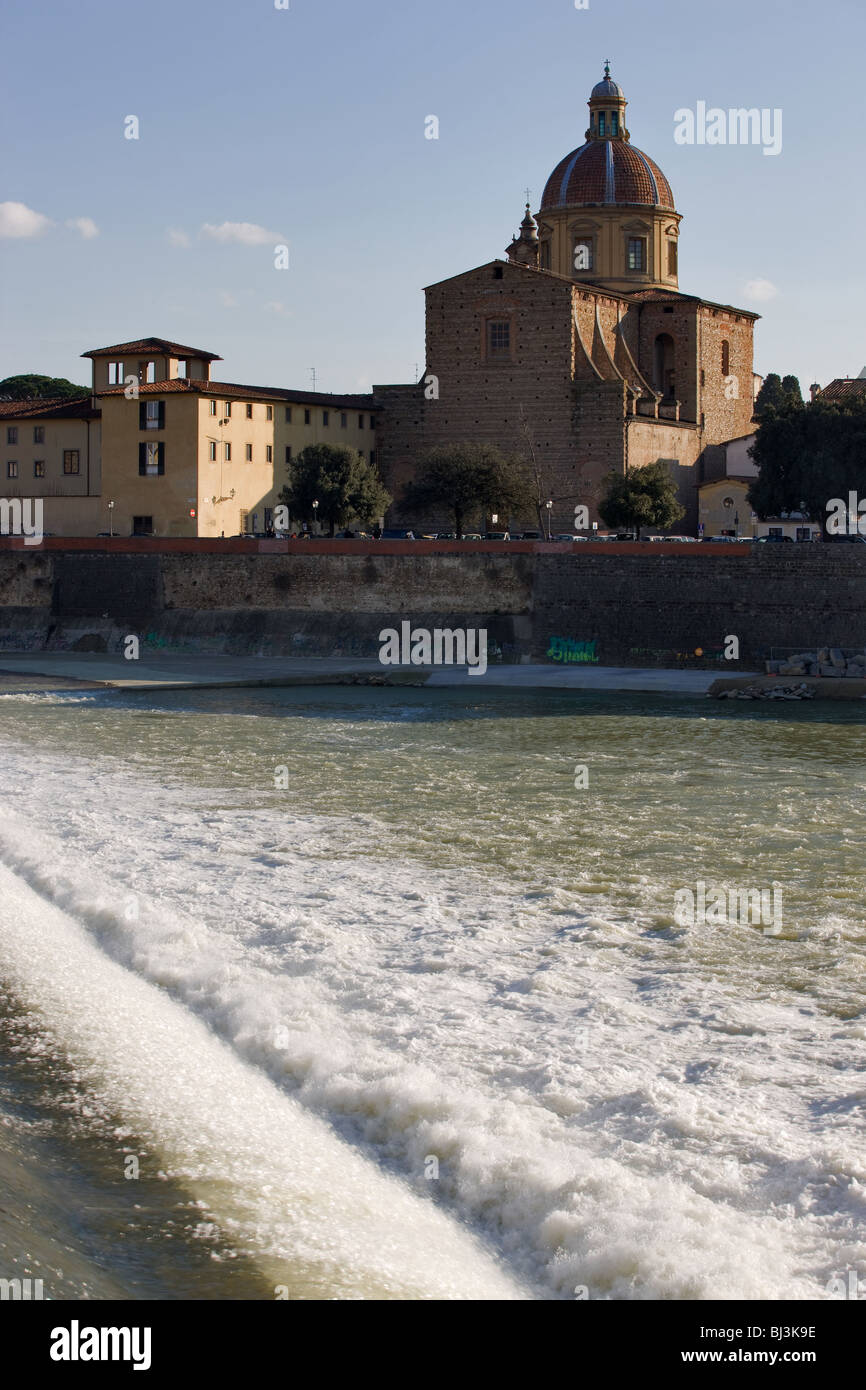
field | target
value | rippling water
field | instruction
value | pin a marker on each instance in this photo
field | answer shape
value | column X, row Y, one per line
column 386, row 1006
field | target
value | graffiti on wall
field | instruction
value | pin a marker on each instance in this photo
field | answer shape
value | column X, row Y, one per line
column 568, row 649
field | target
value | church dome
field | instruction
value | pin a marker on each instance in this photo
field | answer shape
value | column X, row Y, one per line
column 607, row 172
column 605, row 89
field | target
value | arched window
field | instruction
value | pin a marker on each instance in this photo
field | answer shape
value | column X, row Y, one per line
column 664, row 378
column 726, row 357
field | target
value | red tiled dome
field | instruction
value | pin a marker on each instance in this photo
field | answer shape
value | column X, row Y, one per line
column 608, row 172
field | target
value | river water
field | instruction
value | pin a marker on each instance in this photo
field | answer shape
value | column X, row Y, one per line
column 370, row 993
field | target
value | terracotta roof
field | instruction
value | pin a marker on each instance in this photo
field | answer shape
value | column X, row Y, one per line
column 162, row 345
column 251, row 393
column 58, row 408
column 607, row 173
column 844, row 388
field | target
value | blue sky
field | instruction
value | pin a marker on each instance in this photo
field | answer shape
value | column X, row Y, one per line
column 306, row 126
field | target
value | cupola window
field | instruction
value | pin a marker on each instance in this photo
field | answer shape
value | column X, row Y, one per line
column 601, row 120
column 583, row 253
column 636, row 253
column 614, row 123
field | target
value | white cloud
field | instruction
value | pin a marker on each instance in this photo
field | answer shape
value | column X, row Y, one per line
column 275, row 306
column 245, row 233
column 177, row 237
column 227, row 300
column 85, row 225
column 18, row 220
column 761, row 290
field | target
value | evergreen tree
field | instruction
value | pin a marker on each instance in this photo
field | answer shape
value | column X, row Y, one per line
column 642, row 497
column 471, row 481
column 32, row 387
column 341, row 480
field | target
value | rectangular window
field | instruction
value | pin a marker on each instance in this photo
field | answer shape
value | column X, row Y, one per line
column 583, row 253
column 672, row 258
column 115, row 373
column 326, row 417
column 269, row 412
column 39, row 468
column 38, row 434
column 373, row 458
column 211, row 451
column 245, row 523
column 344, row 420
column 212, row 407
column 288, row 414
column 151, row 415
column 269, row 453
column 288, row 453
column 499, row 339
column 227, row 455
column 181, row 369
column 12, row 469
column 11, row 434
column 360, row 422
column 248, row 452
column 372, row 422
column 151, row 460
column 306, row 417
column 637, row 253
column 249, row 411
column 71, row 461
column 228, row 412
column 147, row 372
column 142, row 525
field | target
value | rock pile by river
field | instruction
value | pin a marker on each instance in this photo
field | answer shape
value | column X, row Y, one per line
column 825, row 661
column 769, row 692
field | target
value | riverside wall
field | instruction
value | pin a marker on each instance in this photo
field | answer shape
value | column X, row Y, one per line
column 627, row 604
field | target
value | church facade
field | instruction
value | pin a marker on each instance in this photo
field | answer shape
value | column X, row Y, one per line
column 579, row 352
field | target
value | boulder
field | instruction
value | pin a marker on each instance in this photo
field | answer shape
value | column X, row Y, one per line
column 826, row 670
column 837, row 658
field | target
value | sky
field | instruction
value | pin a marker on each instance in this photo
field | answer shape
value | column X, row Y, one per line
column 305, row 127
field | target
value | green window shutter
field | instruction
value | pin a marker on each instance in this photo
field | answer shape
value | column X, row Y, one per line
column 161, row 459
column 162, row 415
column 142, row 459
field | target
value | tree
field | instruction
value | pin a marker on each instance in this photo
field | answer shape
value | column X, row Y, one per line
column 343, row 482
column 642, row 497
column 791, row 388
column 777, row 394
column 32, row 387
column 470, row 481
column 806, row 457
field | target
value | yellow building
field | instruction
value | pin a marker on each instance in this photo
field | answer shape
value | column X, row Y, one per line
column 160, row 449
column 51, row 450
column 187, row 456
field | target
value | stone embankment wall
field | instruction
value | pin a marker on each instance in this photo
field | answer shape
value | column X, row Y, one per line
column 628, row 605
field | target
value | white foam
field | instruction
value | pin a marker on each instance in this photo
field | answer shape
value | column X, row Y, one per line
column 609, row 1111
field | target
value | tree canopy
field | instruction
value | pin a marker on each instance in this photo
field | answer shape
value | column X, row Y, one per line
column 641, row 497
column 31, row 387
column 777, row 394
column 471, row 481
column 343, row 482
column 808, row 456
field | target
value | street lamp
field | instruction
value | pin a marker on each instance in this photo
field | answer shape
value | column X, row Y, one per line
column 111, row 519
column 315, row 512
column 549, row 510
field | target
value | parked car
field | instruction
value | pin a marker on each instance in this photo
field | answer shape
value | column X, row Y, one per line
column 566, row 536
column 855, row 539
column 530, row 536
column 731, row 540
column 391, row 534
column 496, row 536
column 763, row 540
column 472, row 536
